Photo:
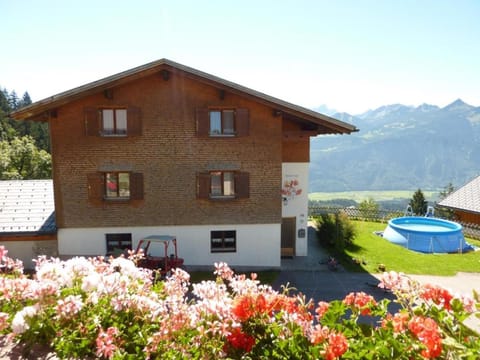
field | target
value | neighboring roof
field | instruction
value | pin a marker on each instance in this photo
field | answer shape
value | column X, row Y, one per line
column 40, row 110
column 27, row 206
column 466, row 198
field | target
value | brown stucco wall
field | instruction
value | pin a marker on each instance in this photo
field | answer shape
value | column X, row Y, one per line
column 169, row 154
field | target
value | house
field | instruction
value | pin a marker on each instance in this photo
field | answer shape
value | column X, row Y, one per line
column 167, row 149
column 465, row 202
column 27, row 219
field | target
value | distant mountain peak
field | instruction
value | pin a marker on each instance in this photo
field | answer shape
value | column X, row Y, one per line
column 458, row 105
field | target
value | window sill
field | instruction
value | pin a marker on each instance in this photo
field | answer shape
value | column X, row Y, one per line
column 113, row 135
column 116, row 199
column 222, row 197
column 223, row 250
column 222, row 135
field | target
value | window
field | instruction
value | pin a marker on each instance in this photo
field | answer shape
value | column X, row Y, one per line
column 117, row 185
column 233, row 122
column 114, row 121
column 223, row 185
column 222, row 122
column 118, row 243
column 120, row 185
column 223, row 241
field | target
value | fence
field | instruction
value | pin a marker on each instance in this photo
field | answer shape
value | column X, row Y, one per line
column 469, row 230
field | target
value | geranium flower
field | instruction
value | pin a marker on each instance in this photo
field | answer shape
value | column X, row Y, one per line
column 426, row 330
column 240, row 341
column 361, row 301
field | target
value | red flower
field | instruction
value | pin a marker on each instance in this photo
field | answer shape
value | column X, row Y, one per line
column 438, row 295
column 426, row 330
column 241, row 341
column 361, row 301
column 337, row 345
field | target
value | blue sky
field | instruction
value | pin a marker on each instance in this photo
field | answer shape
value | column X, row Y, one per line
column 352, row 55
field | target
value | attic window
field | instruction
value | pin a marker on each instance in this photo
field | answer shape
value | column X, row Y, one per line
column 229, row 122
column 114, row 122
column 222, row 122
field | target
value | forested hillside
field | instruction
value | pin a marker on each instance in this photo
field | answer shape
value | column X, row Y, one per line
column 24, row 145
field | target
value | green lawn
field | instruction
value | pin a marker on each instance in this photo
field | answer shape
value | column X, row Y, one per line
column 373, row 250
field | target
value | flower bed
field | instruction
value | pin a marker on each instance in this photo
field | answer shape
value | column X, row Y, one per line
column 110, row 308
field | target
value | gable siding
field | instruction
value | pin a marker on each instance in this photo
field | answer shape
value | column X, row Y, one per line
column 169, row 154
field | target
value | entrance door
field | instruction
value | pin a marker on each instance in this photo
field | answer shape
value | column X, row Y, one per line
column 289, row 231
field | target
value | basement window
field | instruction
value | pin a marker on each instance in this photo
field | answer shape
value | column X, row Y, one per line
column 223, row 241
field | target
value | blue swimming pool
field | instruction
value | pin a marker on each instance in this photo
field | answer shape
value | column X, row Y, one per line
column 427, row 235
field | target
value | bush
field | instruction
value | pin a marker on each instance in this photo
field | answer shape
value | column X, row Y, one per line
column 111, row 309
column 335, row 230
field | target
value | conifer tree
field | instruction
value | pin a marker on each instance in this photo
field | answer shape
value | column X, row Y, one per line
column 418, row 203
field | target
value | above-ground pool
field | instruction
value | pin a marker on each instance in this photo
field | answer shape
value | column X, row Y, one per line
column 427, row 235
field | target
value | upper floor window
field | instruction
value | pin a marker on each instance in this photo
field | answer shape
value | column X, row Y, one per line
column 113, row 122
column 115, row 186
column 222, row 122
column 228, row 122
column 223, row 185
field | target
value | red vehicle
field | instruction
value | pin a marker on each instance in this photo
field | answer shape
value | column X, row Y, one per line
column 156, row 257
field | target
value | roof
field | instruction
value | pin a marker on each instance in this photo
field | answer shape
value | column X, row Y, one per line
column 40, row 110
column 466, row 198
column 26, row 206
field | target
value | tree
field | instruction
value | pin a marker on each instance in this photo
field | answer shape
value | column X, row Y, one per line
column 441, row 211
column 418, row 203
column 21, row 159
column 368, row 209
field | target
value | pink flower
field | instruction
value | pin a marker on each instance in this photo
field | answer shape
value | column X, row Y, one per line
column 223, row 270
column 69, row 307
column 105, row 342
column 322, row 309
column 3, row 321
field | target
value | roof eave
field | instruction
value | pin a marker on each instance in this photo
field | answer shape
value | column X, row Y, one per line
column 40, row 110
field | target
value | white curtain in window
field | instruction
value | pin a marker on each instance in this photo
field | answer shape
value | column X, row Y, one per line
column 228, row 185
column 121, row 117
column 215, row 122
column 107, row 119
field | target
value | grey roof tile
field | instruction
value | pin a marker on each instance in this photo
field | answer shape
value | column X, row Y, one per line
column 466, row 198
column 27, row 206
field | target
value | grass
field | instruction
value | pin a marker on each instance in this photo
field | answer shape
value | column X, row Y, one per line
column 373, row 250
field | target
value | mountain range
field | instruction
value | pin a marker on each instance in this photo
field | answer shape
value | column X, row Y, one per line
column 399, row 147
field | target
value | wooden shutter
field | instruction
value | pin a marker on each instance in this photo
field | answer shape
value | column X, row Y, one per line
column 95, row 186
column 134, row 121
column 136, row 186
column 242, row 121
column 203, row 185
column 92, row 121
column 202, row 116
column 242, row 185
